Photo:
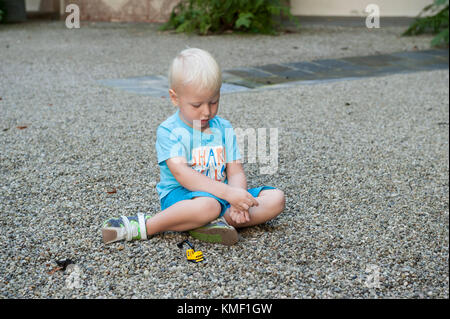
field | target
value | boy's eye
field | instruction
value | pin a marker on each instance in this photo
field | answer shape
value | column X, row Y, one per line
column 199, row 104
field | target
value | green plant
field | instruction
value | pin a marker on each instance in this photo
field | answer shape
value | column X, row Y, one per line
column 435, row 22
column 2, row 12
column 217, row 16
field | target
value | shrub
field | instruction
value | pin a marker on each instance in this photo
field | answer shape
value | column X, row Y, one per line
column 218, row 16
column 2, row 12
column 436, row 22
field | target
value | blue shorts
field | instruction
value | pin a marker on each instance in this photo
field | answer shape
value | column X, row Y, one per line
column 181, row 193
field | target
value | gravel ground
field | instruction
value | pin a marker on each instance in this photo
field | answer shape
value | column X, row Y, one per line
column 363, row 163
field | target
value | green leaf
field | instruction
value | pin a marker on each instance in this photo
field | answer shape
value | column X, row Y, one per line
column 245, row 19
column 440, row 39
column 275, row 10
column 440, row 2
column 216, row 16
column 258, row 4
column 436, row 23
column 184, row 27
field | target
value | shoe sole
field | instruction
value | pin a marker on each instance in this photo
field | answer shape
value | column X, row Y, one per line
column 216, row 235
column 109, row 235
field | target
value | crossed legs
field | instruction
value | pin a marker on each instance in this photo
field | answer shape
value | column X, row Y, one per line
column 271, row 204
column 189, row 214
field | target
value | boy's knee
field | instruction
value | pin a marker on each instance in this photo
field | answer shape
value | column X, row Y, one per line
column 209, row 208
column 279, row 200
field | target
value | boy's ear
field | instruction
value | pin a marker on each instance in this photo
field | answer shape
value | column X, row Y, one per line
column 173, row 97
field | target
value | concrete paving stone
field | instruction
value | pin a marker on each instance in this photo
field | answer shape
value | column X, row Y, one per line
column 308, row 67
column 269, row 80
column 283, row 73
column 392, row 69
column 243, row 83
column 239, row 81
column 147, row 91
column 421, row 58
column 251, row 77
column 274, row 68
column 244, row 79
column 149, row 78
column 336, row 64
column 352, row 67
column 373, row 61
column 350, row 73
column 231, row 88
column 338, row 69
column 434, row 66
column 157, row 85
column 294, row 75
column 436, row 52
column 430, row 64
column 416, row 56
column 249, row 73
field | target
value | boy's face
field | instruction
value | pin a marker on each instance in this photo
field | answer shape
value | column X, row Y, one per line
column 196, row 105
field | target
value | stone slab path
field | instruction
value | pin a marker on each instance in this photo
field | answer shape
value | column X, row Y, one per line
column 272, row 76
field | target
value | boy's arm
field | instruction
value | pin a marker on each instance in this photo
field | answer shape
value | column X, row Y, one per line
column 235, row 175
column 236, row 178
column 194, row 181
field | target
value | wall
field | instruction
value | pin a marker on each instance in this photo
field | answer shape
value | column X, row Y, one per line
column 388, row 8
column 125, row 10
column 159, row 10
column 43, row 5
column 108, row 10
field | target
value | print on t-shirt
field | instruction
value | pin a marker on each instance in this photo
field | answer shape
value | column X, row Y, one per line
column 210, row 161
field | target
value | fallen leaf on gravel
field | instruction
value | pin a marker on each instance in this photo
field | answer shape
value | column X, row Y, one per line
column 55, row 269
column 64, row 263
column 22, row 127
column 111, row 191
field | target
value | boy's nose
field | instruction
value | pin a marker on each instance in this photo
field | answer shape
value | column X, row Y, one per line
column 205, row 111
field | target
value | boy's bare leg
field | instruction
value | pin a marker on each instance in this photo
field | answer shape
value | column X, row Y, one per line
column 184, row 215
column 271, row 204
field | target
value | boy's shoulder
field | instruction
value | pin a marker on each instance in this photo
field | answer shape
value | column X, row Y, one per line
column 170, row 122
column 221, row 122
column 174, row 121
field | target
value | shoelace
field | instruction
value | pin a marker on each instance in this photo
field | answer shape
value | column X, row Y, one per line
column 220, row 220
column 126, row 224
column 129, row 228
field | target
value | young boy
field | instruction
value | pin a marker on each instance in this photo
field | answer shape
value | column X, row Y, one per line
column 202, row 186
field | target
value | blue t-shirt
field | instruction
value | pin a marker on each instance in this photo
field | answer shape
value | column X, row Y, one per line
column 204, row 152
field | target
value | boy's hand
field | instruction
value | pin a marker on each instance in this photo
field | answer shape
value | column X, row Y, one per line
column 240, row 199
column 239, row 217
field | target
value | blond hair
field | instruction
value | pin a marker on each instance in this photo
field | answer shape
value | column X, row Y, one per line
column 195, row 66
